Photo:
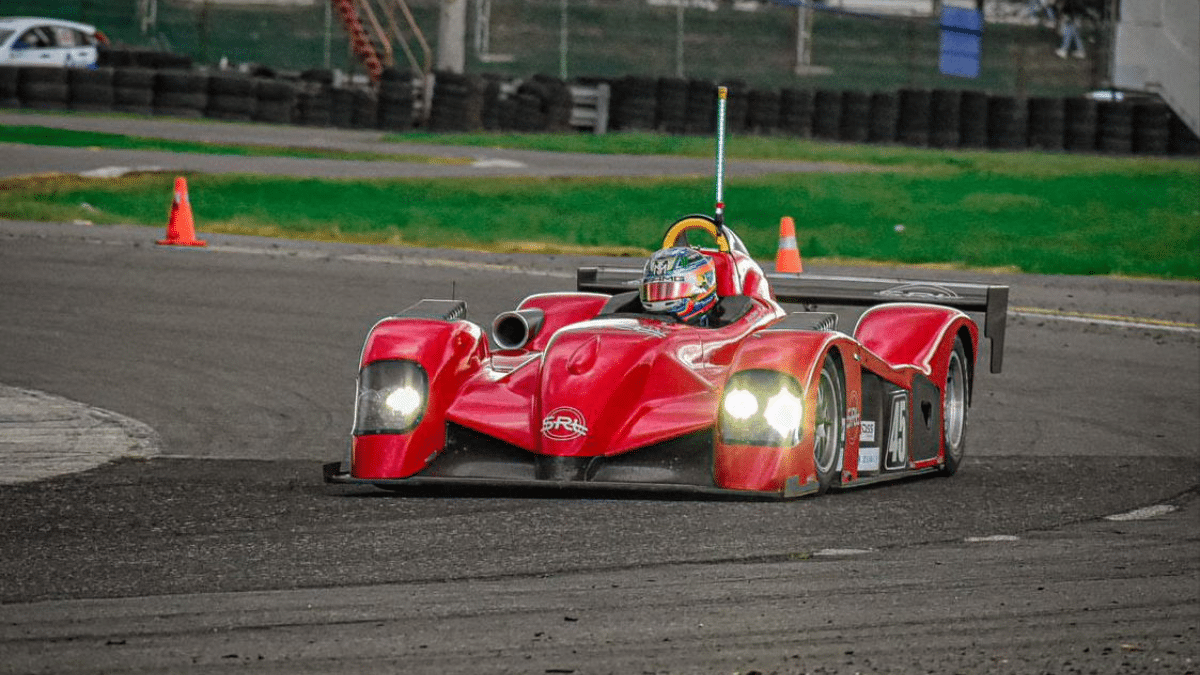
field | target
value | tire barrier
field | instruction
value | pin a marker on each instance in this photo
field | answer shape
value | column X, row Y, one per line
column 737, row 108
column 341, row 107
column 9, row 95
column 364, row 110
column 43, row 88
column 457, row 102
column 133, row 90
column 1114, row 127
column 548, row 99
column 854, row 121
column 1046, row 117
column 1180, row 139
column 275, row 101
column 885, row 112
column 231, row 97
column 314, row 105
column 396, row 100
column 672, row 108
column 1151, row 128
column 115, row 57
column 972, row 119
column 912, row 125
column 796, row 112
column 1079, row 124
column 827, row 114
column 945, row 105
column 634, row 106
column 91, row 90
column 180, row 93
column 701, row 107
column 938, row 118
column 763, row 113
column 1007, row 122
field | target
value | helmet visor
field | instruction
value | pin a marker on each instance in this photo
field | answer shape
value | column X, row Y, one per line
column 658, row 291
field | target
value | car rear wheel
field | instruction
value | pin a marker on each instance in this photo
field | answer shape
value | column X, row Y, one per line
column 829, row 427
column 955, row 403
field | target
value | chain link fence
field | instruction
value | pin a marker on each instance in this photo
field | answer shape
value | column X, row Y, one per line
column 866, row 45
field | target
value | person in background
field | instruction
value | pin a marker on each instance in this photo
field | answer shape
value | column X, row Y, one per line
column 1070, row 12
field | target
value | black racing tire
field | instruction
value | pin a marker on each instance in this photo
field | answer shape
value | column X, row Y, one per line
column 829, row 424
column 956, row 403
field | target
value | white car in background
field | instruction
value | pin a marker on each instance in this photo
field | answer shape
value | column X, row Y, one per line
column 35, row 41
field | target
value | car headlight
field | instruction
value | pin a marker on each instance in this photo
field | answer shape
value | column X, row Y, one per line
column 392, row 397
column 762, row 407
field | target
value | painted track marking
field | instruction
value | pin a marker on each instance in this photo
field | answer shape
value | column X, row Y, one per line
column 1105, row 319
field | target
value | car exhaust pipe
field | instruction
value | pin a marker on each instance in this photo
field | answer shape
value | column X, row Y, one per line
column 513, row 330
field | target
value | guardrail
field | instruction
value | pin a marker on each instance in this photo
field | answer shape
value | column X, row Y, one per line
column 590, row 109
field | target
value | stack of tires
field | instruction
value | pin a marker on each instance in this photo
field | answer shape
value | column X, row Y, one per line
column 457, row 102
column 91, row 89
column 854, row 119
column 231, row 97
column 796, row 112
column 180, row 93
column 1114, row 127
column 396, row 100
column 133, row 90
column 912, row 123
column 43, row 88
column 115, row 57
column 763, row 114
column 314, row 100
column 543, row 103
column 827, row 114
column 1007, row 123
column 634, row 105
column 972, row 119
column 275, row 101
column 885, row 113
column 672, row 105
column 1079, row 124
column 1046, row 130
column 737, row 106
column 944, row 109
column 1151, row 128
column 9, row 96
column 701, row 107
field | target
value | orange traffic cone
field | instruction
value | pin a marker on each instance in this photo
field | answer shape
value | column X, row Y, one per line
column 787, row 258
column 181, row 231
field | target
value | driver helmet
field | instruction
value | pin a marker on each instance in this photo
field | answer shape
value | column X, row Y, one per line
column 681, row 282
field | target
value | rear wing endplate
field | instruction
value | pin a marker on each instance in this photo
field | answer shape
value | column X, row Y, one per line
column 810, row 289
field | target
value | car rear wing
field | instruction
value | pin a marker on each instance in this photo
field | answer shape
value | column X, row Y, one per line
column 811, row 289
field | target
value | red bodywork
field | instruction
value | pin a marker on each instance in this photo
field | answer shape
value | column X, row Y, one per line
column 598, row 395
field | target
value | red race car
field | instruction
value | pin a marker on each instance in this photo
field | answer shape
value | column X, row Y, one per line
column 686, row 375
column 592, row 389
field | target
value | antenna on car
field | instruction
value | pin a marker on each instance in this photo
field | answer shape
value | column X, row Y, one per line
column 719, row 218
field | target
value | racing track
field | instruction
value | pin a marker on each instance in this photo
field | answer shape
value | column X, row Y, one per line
column 227, row 553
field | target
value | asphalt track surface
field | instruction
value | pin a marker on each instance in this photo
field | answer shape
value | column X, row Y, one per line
column 1068, row 542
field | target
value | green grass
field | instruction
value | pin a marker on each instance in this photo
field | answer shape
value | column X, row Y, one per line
column 1045, row 213
column 38, row 135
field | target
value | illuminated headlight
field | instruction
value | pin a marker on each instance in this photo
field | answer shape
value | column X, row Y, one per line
column 762, row 407
column 392, row 397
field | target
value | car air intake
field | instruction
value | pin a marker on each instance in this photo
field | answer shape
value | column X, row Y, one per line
column 513, row 330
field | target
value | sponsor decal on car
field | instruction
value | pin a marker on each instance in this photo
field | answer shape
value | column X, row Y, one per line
column 868, row 431
column 564, row 424
column 868, row 459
